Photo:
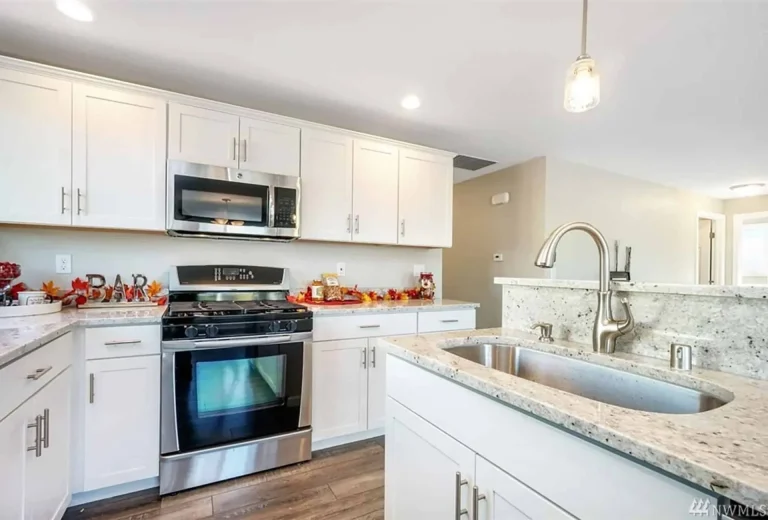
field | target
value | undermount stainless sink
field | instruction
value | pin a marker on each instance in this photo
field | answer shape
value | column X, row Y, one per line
column 589, row 380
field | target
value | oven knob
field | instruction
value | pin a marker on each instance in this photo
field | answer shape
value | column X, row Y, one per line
column 291, row 326
column 211, row 331
column 274, row 326
column 191, row 331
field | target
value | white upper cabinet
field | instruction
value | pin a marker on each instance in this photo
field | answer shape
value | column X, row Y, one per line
column 326, row 186
column 269, row 147
column 374, row 192
column 118, row 159
column 425, row 199
column 35, row 148
column 203, row 136
column 116, row 417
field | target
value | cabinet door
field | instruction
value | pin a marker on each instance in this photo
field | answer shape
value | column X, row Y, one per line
column 35, row 148
column 118, row 417
column 339, row 388
column 506, row 498
column 118, row 160
column 202, row 136
column 326, row 183
column 13, row 454
column 269, row 147
column 374, row 193
column 426, row 199
column 47, row 477
column 377, row 379
column 422, row 464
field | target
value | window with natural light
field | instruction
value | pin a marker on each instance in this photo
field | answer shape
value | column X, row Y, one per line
column 753, row 254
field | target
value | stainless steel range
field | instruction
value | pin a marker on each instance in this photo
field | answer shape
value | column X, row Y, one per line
column 236, row 375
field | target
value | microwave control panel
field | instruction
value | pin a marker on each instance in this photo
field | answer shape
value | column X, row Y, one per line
column 285, row 207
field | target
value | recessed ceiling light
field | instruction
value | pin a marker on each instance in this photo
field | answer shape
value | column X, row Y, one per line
column 75, row 9
column 747, row 189
column 410, row 102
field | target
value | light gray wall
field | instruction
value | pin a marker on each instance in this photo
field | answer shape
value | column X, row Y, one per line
column 113, row 252
column 659, row 223
column 515, row 230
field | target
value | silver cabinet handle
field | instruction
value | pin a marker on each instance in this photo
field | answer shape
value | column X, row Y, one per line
column 373, row 357
column 40, row 372
column 357, row 224
column 91, row 385
column 349, row 223
column 234, row 148
column 369, row 326
column 38, row 426
column 402, row 228
column 449, row 321
column 63, row 194
column 79, row 195
column 244, row 150
column 46, row 427
column 458, row 509
column 123, row 342
column 365, row 358
column 476, row 498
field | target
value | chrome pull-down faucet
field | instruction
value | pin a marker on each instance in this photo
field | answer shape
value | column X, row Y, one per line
column 606, row 329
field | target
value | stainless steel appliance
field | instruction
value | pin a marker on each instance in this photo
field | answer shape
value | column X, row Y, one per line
column 215, row 202
column 236, row 376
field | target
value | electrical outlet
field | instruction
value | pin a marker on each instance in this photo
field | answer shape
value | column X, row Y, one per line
column 498, row 257
column 64, row 264
column 341, row 269
column 418, row 269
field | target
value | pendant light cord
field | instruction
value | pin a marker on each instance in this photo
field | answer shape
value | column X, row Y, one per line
column 584, row 29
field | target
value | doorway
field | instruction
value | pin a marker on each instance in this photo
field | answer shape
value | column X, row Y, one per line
column 710, row 249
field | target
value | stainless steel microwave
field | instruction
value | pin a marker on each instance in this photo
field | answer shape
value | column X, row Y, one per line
column 216, row 202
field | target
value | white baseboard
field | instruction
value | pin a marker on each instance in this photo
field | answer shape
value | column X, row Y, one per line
column 113, row 491
column 346, row 439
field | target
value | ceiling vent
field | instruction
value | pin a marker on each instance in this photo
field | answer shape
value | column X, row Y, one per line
column 470, row 163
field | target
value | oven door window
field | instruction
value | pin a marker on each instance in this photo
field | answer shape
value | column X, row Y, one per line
column 235, row 394
column 213, row 201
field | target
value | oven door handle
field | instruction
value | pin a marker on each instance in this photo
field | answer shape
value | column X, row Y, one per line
column 246, row 341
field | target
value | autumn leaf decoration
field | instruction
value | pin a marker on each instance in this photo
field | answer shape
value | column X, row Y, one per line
column 50, row 289
column 154, row 289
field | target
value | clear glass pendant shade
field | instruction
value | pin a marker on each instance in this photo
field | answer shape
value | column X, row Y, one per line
column 582, row 85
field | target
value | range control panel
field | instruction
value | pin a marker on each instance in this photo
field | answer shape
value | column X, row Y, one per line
column 229, row 275
column 285, row 208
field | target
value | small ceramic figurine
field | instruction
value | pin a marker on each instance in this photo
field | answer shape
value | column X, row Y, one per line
column 427, row 286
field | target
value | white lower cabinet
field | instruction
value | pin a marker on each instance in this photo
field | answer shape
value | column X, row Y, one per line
column 339, row 388
column 506, row 498
column 35, row 455
column 428, row 474
column 122, row 421
column 377, row 385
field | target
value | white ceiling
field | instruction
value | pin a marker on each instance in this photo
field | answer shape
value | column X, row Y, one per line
column 684, row 83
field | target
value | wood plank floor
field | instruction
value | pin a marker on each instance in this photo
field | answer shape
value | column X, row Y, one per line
column 344, row 483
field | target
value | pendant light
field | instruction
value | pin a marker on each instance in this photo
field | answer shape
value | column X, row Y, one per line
column 582, row 82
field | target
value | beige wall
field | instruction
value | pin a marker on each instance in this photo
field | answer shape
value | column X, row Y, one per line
column 733, row 207
column 113, row 252
column 515, row 230
column 658, row 222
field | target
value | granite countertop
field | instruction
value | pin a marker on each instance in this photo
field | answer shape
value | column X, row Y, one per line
column 735, row 291
column 19, row 336
column 725, row 449
column 390, row 307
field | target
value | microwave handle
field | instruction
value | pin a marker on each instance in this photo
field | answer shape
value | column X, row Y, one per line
column 271, row 206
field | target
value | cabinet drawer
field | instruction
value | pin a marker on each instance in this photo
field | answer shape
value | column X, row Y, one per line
column 111, row 342
column 45, row 363
column 446, row 320
column 364, row 326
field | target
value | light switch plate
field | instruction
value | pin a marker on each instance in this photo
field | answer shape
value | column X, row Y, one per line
column 341, row 269
column 63, row 264
column 498, row 257
column 418, row 269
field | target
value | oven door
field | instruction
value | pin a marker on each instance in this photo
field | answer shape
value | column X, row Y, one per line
column 212, row 200
column 218, row 392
